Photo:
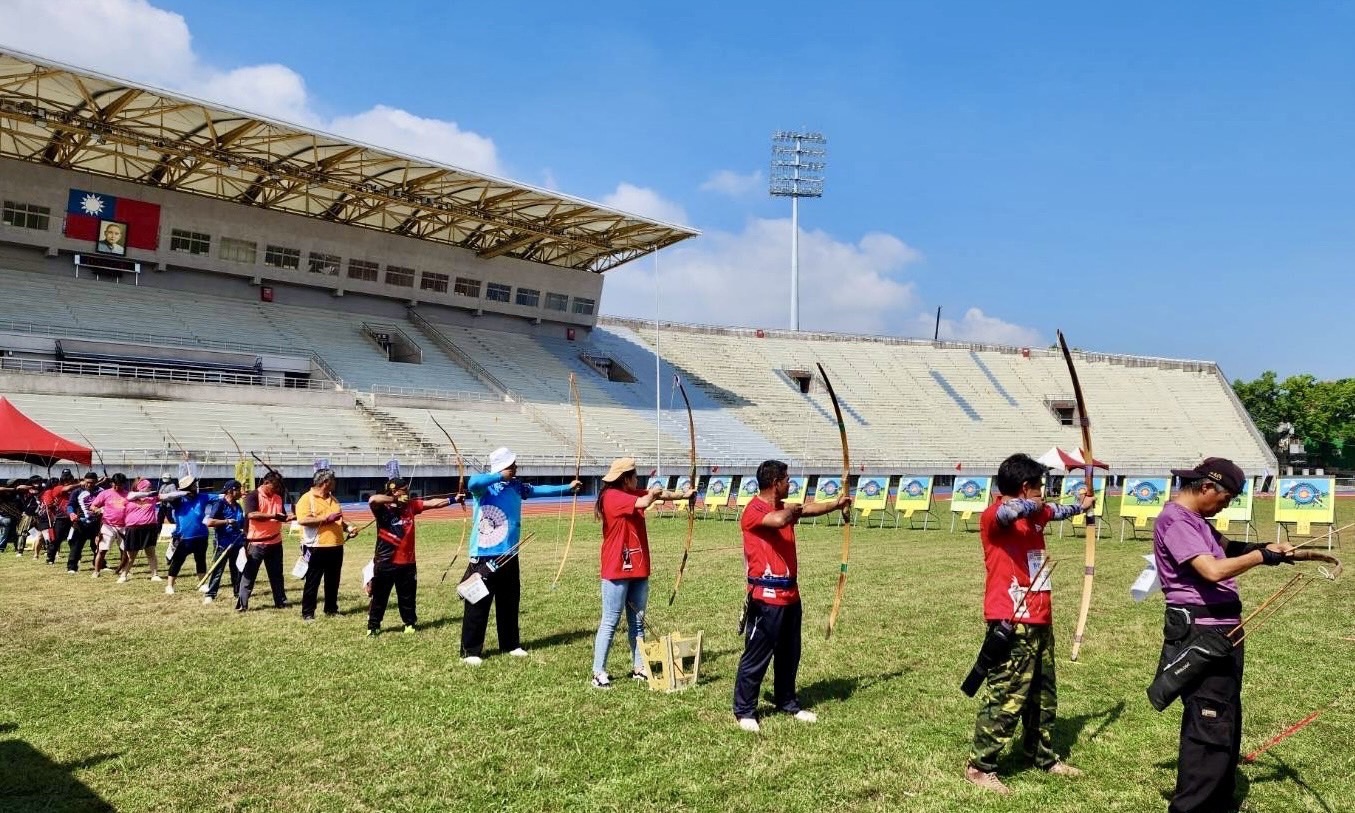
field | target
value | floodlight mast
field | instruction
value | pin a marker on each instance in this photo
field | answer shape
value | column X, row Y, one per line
column 798, row 163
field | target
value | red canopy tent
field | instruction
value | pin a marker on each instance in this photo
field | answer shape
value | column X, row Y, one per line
column 23, row 439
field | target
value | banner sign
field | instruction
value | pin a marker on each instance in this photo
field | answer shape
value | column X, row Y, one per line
column 1144, row 497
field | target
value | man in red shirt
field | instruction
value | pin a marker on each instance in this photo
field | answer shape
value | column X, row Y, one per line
column 772, row 626
column 393, row 559
column 1021, row 689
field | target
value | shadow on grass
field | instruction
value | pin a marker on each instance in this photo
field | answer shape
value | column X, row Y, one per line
column 841, row 688
column 29, row 780
column 1279, row 772
column 1068, row 730
column 557, row 639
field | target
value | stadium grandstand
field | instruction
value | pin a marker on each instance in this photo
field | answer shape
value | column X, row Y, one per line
column 177, row 273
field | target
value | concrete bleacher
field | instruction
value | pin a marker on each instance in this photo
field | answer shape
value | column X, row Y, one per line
column 101, row 308
column 907, row 404
column 934, row 406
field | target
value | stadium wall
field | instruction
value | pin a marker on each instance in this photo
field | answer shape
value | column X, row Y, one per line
column 49, row 187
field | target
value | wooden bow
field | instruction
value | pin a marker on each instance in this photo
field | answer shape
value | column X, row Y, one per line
column 578, row 466
column 691, row 502
column 95, row 449
column 847, row 512
column 1088, row 466
column 460, row 492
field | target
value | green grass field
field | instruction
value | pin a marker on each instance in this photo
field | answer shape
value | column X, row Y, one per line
column 120, row 697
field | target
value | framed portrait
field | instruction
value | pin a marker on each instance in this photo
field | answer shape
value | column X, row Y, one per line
column 112, row 238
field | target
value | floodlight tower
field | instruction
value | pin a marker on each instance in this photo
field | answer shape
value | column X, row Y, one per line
column 798, row 162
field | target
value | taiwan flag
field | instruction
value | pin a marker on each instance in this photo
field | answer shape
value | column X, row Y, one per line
column 85, row 210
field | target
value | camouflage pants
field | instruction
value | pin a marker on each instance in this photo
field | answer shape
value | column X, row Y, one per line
column 1022, row 690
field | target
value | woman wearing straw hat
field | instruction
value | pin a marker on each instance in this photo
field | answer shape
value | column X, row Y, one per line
column 497, row 529
column 621, row 508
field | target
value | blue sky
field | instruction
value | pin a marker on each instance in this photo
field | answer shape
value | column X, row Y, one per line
column 1159, row 178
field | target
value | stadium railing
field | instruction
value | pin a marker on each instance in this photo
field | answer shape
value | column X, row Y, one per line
column 166, row 374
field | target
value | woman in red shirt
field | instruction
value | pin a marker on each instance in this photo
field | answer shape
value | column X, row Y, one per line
column 621, row 508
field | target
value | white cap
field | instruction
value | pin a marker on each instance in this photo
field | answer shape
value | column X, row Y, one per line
column 500, row 459
column 187, row 481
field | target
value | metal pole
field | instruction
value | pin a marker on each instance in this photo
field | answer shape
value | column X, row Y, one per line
column 936, row 334
column 794, row 263
column 658, row 379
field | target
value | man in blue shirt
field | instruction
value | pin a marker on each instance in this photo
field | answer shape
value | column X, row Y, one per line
column 190, row 531
column 227, row 515
column 493, row 553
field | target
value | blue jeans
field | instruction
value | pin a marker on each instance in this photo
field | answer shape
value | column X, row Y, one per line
column 631, row 595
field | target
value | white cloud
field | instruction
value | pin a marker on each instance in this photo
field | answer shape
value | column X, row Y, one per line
column 732, row 184
column 646, row 203
column 275, row 91
column 743, row 278
column 405, row 132
column 977, row 326
column 128, row 38
column 135, row 40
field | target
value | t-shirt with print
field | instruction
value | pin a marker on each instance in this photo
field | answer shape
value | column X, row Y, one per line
column 395, row 533
column 625, row 540
column 1012, row 554
column 769, row 554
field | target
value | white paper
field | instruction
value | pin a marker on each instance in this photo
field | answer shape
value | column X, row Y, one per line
column 473, row 589
column 1034, row 561
column 1148, row 581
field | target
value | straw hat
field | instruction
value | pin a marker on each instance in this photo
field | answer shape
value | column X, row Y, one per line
column 620, row 466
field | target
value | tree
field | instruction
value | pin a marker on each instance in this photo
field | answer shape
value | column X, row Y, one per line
column 1320, row 414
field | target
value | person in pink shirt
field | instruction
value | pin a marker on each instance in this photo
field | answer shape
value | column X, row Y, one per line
column 111, row 504
column 142, row 518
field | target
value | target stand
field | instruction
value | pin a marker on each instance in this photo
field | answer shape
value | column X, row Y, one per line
column 673, row 661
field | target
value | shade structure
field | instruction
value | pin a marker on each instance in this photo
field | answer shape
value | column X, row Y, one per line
column 22, row 438
column 1057, row 458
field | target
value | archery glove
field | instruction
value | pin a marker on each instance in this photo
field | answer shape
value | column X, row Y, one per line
column 1270, row 557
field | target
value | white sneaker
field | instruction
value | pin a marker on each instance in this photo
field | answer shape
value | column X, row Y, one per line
column 202, row 589
column 749, row 724
column 806, row 716
column 207, row 599
column 155, row 577
column 169, row 589
column 602, row 680
column 70, row 572
column 518, row 653
column 122, row 579
column 472, row 660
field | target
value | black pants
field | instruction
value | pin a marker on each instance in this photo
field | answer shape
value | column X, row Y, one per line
column 1211, row 738
column 402, row 578
column 771, row 633
column 61, row 528
column 8, row 530
column 197, row 547
column 226, row 561
column 505, row 593
column 270, row 557
column 326, row 563
column 83, row 534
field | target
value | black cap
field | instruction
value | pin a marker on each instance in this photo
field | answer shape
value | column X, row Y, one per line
column 1218, row 470
column 396, row 483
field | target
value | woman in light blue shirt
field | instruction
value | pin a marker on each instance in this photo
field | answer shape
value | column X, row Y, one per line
column 493, row 553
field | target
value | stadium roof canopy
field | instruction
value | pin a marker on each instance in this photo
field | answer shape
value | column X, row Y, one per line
column 65, row 117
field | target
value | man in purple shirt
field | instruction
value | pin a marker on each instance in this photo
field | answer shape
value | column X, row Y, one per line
column 1199, row 570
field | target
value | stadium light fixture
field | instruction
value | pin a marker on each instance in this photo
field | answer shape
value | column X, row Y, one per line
column 797, row 171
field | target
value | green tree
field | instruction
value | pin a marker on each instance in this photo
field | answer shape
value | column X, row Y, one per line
column 1320, row 414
